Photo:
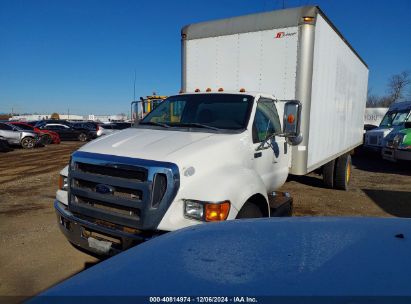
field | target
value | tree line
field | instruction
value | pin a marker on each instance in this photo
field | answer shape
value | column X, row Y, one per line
column 398, row 89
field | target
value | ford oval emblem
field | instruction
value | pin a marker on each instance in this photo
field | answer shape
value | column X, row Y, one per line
column 104, row 189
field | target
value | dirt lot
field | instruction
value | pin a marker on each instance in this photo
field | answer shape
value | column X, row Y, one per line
column 34, row 255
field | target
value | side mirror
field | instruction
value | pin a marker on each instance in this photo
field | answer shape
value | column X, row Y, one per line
column 407, row 125
column 291, row 122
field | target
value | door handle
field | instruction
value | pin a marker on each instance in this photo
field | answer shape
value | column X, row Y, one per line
column 258, row 154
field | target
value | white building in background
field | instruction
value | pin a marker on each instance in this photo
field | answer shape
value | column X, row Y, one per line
column 106, row 118
column 30, row 117
column 71, row 117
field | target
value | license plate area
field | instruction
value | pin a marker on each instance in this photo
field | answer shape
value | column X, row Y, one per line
column 99, row 236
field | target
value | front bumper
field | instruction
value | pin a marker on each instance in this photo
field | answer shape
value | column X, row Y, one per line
column 372, row 148
column 77, row 231
column 396, row 154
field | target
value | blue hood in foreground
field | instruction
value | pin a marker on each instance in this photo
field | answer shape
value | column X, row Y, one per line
column 276, row 257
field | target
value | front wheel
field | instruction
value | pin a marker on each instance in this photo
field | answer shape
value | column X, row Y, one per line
column 28, row 142
column 82, row 137
column 250, row 210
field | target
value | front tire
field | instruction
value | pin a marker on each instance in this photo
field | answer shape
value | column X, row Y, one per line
column 28, row 142
column 250, row 210
column 343, row 170
column 82, row 137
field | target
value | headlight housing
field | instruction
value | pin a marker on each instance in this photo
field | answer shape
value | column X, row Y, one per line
column 63, row 182
column 206, row 211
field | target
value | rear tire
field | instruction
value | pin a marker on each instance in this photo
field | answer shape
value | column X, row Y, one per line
column 328, row 174
column 28, row 142
column 343, row 170
column 82, row 137
column 250, row 210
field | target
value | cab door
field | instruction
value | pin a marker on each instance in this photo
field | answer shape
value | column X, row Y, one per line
column 270, row 158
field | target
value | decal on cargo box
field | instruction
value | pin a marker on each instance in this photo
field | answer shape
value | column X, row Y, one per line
column 284, row 34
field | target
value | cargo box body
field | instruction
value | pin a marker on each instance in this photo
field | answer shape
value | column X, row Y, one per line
column 293, row 54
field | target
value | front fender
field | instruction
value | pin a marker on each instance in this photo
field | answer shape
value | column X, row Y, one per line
column 236, row 184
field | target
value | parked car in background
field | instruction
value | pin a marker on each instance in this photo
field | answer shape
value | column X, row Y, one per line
column 67, row 131
column 18, row 137
column 48, row 136
column 93, row 126
column 113, row 127
column 4, row 145
column 399, row 148
column 392, row 123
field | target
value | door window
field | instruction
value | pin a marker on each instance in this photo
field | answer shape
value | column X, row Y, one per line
column 6, row 127
column 266, row 121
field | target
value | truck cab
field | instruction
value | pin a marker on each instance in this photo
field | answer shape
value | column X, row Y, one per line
column 392, row 123
column 184, row 172
column 398, row 147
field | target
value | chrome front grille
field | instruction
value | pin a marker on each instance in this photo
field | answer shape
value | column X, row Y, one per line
column 121, row 190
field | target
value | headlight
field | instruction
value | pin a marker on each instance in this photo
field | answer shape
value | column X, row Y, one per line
column 63, row 182
column 206, row 211
column 398, row 139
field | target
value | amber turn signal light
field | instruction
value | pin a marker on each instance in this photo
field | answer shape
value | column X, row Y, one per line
column 290, row 118
column 60, row 185
column 217, row 212
column 308, row 19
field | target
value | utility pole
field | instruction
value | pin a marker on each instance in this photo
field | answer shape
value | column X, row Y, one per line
column 135, row 77
column 68, row 113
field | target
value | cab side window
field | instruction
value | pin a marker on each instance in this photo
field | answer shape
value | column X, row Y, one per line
column 266, row 121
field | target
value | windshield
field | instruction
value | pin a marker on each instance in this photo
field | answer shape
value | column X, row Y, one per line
column 15, row 127
column 211, row 111
column 394, row 118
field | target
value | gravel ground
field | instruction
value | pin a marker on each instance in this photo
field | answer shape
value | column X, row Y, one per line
column 34, row 255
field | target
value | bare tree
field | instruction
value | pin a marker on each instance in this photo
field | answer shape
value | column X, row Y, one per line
column 372, row 99
column 397, row 86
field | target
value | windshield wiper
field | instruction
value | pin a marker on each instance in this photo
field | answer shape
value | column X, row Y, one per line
column 155, row 124
column 194, row 124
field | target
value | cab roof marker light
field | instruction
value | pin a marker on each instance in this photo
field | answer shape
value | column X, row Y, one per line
column 308, row 19
column 221, row 90
column 197, row 90
column 208, row 90
column 242, row 90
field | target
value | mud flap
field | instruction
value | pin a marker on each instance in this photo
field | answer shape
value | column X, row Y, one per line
column 281, row 204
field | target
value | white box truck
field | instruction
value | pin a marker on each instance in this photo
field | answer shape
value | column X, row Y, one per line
column 263, row 96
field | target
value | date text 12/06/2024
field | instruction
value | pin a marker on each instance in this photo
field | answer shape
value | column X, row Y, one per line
column 203, row 300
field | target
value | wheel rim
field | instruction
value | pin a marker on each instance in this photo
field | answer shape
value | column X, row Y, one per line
column 28, row 143
column 348, row 173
